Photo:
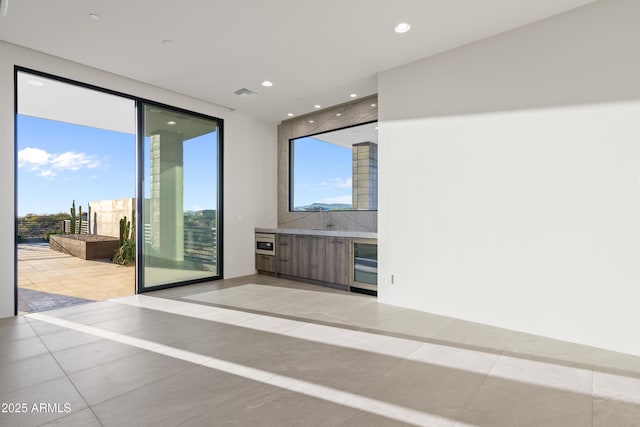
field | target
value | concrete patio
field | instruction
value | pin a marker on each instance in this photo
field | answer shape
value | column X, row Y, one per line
column 49, row 279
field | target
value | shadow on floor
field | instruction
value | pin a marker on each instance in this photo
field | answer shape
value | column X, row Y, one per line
column 30, row 301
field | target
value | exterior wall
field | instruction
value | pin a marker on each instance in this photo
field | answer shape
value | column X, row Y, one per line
column 104, row 215
column 249, row 157
column 352, row 113
column 523, row 161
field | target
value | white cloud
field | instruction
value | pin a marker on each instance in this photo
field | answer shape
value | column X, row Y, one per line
column 46, row 163
column 47, row 174
column 73, row 161
column 337, row 183
column 33, row 157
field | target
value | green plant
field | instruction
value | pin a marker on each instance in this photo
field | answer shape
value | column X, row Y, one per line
column 125, row 226
column 133, row 225
column 73, row 217
column 80, row 220
column 126, row 252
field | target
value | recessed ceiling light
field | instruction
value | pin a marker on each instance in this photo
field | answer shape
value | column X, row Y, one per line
column 171, row 123
column 37, row 83
column 290, row 114
column 353, row 95
column 402, row 27
column 374, row 105
column 311, row 121
column 317, row 106
column 94, row 16
column 338, row 114
column 267, row 83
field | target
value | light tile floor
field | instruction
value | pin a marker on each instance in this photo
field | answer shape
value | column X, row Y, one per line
column 263, row 351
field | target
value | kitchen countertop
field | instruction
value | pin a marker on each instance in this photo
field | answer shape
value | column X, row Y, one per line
column 331, row 233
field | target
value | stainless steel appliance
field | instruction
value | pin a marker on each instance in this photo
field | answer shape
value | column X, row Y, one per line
column 266, row 244
column 365, row 267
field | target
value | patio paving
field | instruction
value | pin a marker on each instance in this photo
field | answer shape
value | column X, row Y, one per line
column 49, row 279
column 30, row 301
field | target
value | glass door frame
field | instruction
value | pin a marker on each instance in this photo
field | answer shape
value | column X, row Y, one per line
column 140, row 154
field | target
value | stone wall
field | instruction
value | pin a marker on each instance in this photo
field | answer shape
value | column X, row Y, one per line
column 365, row 176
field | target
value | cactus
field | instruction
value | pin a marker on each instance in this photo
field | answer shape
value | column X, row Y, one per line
column 123, row 230
column 73, row 217
column 126, row 253
column 133, row 225
column 80, row 220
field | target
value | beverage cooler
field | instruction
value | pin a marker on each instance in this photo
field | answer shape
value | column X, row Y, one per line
column 365, row 267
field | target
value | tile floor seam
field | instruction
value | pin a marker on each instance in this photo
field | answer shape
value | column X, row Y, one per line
column 203, row 411
column 144, row 385
column 67, row 376
column 102, row 363
column 25, row 358
column 475, row 393
column 34, row 384
column 33, row 357
column 484, row 380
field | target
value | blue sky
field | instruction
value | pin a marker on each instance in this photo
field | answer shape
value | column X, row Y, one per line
column 59, row 162
column 322, row 172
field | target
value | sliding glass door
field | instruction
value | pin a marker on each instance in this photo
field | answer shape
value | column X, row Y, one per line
column 181, row 204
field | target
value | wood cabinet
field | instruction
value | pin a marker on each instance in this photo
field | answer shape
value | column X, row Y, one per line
column 337, row 260
column 321, row 258
column 309, row 256
column 284, row 254
column 266, row 263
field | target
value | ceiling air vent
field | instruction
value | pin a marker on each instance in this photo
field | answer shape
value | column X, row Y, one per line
column 245, row 92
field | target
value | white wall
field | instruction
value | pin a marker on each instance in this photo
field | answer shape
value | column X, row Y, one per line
column 509, row 179
column 249, row 156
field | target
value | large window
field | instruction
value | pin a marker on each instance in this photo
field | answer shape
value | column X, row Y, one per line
column 335, row 170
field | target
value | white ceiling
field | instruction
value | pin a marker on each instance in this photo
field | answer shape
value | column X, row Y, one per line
column 315, row 52
column 55, row 100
